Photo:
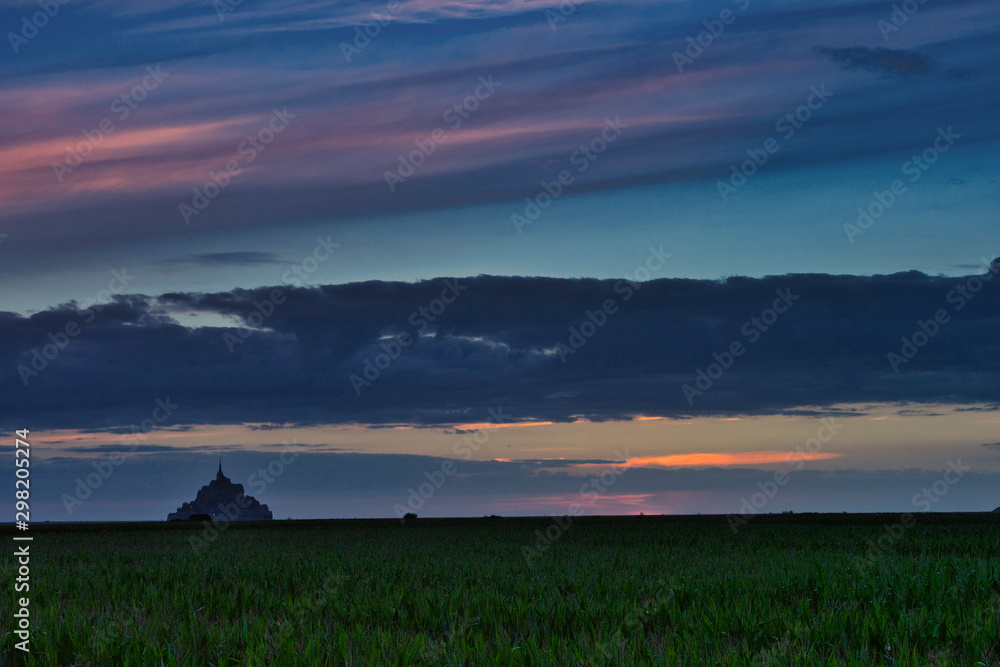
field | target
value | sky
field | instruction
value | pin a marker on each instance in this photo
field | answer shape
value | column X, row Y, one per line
column 501, row 257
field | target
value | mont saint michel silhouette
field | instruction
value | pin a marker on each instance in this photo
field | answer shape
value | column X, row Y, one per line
column 222, row 500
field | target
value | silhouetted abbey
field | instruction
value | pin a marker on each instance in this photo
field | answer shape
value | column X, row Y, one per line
column 223, row 500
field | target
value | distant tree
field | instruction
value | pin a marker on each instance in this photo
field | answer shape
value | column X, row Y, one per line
column 200, row 517
column 409, row 517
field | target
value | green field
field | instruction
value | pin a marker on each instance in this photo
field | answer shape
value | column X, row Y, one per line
column 780, row 590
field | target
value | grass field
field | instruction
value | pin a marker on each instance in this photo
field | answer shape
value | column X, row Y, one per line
column 779, row 590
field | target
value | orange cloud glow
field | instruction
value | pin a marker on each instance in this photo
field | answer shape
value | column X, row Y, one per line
column 476, row 427
column 725, row 459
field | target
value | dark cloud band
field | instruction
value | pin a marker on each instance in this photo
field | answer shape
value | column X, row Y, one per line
column 496, row 344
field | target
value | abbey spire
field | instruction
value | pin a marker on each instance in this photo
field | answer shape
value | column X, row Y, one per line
column 222, row 499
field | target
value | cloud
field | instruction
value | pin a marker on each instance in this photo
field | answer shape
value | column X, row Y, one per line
column 725, row 459
column 137, row 449
column 979, row 408
column 269, row 427
column 889, row 63
column 354, row 119
column 689, row 460
column 330, row 354
column 242, row 258
column 120, row 430
column 146, row 449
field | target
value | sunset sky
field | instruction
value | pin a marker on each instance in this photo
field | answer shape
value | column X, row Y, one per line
column 681, row 245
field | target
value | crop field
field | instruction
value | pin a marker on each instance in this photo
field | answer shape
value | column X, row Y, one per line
column 777, row 590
